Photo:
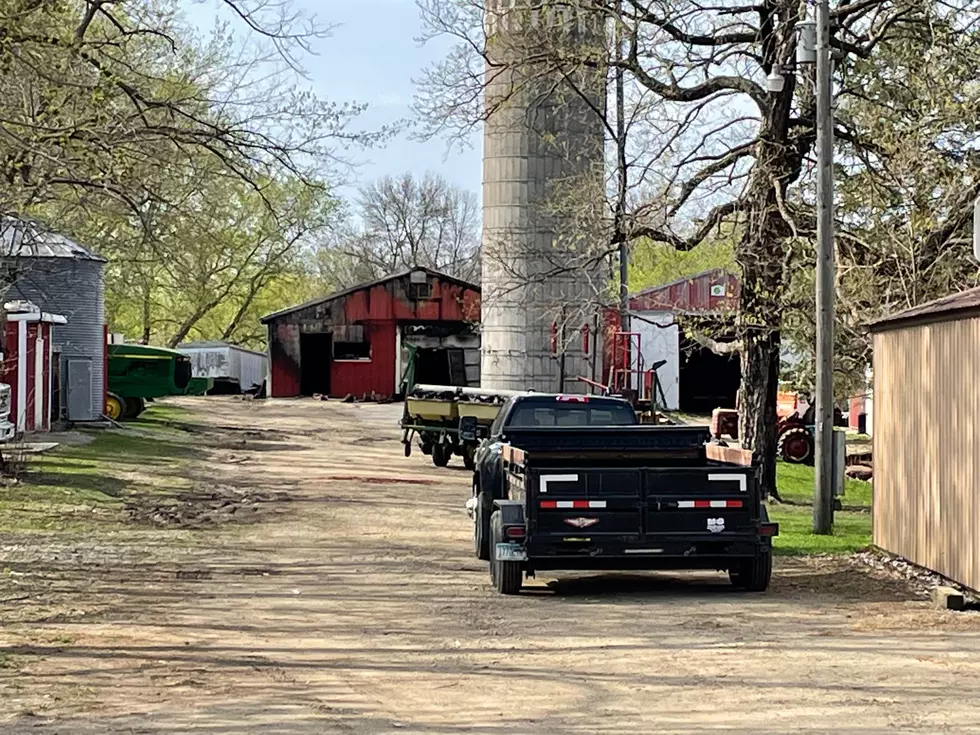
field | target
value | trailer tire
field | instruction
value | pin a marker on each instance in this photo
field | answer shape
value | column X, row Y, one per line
column 469, row 457
column 481, row 530
column 506, row 576
column 441, row 454
column 754, row 574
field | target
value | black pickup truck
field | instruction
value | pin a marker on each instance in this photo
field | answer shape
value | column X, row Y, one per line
column 575, row 483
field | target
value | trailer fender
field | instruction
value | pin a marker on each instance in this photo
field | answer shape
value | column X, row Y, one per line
column 511, row 512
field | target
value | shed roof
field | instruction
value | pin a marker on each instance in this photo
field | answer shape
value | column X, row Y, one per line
column 948, row 308
column 24, row 238
column 370, row 284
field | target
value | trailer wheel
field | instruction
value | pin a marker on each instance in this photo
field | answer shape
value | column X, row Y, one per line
column 481, row 530
column 441, row 454
column 506, row 576
column 469, row 457
column 754, row 574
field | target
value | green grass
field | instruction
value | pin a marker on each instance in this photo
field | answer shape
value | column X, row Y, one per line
column 852, row 529
column 84, row 488
column 795, row 483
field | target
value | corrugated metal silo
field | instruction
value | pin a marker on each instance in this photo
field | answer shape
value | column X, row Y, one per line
column 543, row 142
column 61, row 277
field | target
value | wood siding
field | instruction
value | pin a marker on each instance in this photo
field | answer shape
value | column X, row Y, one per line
column 927, row 446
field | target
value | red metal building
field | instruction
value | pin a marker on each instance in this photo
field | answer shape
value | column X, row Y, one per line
column 708, row 292
column 692, row 377
column 358, row 342
column 28, row 361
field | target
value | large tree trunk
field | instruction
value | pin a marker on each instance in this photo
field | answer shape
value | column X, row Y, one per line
column 757, row 400
column 760, row 255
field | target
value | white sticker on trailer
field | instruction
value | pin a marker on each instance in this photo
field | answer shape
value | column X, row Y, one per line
column 740, row 479
column 547, row 479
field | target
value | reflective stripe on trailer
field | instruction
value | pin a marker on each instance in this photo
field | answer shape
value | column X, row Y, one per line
column 709, row 503
column 572, row 504
column 720, row 477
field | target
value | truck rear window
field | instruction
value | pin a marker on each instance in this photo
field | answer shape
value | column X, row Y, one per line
column 572, row 415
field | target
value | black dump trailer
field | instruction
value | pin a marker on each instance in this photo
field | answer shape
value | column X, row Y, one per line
column 626, row 498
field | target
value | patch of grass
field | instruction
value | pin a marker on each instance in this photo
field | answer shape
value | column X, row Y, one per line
column 795, row 483
column 852, row 532
column 84, row 488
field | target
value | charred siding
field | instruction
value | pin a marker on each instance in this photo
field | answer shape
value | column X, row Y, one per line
column 376, row 309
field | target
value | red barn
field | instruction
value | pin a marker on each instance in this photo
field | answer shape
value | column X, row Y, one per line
column 28, row 366
column 692, row 377
column 359, row 342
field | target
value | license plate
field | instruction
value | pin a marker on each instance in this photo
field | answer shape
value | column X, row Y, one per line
column 510, row 552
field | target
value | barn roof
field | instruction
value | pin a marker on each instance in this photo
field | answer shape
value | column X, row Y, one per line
column 370, row 284
column 24, row 238
column 948, row 308
column 690, row 294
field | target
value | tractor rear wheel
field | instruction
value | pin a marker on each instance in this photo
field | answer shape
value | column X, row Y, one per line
column 795, row 445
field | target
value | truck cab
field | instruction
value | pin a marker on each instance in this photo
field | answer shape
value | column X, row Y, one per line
column 528, row 412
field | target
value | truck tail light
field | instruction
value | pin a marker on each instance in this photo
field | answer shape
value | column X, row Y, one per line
column 769, row 529
column 515, row 532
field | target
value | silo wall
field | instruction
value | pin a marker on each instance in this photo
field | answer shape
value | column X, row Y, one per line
column 73, row 288
column 543, row 152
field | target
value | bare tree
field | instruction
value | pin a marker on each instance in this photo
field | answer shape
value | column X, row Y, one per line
column 406, row 222
column 712, row 147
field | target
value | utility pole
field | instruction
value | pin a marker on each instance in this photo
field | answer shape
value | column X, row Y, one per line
column 622, row 182
column 823, row 500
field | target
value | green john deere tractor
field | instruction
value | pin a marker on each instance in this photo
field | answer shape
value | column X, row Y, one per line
column 140, row 373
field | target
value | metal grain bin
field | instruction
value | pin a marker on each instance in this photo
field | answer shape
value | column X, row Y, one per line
column 61, row 277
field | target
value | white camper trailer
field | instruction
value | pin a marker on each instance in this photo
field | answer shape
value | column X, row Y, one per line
column 233, row 369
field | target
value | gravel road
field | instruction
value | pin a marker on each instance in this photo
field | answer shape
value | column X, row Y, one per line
column 356, row 606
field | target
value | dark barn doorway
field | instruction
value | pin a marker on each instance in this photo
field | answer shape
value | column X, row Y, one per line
column 315, row 355
column 440, row 366
column 707, row 381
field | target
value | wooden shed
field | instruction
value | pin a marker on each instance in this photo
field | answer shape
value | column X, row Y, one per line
column 357, row 342
column 927, row 436
column 29, row 365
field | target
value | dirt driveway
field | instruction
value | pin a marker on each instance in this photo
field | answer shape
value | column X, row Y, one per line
column 357, row 607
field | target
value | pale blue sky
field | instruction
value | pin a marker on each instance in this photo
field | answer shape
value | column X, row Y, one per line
column 372, row 57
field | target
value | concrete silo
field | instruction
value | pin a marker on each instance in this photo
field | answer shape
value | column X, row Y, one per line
column 542, row 167
column 60, row 276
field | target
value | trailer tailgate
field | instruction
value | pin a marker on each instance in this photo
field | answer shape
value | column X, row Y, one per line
column 639, row 503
